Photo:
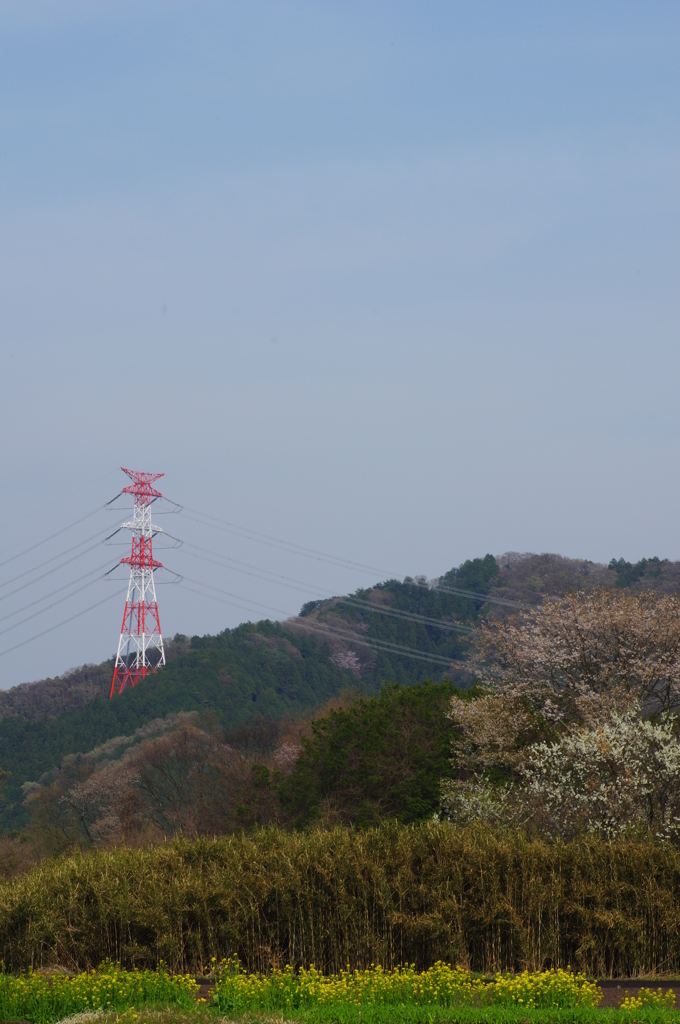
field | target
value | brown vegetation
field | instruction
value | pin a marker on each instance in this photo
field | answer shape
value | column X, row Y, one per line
column 74, row 689
column 388, row 895
column 181, row 774
column 529, row 578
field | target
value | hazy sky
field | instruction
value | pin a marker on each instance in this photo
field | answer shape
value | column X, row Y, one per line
column 397, row 282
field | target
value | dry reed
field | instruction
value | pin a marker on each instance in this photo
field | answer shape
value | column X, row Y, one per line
column 391, row 895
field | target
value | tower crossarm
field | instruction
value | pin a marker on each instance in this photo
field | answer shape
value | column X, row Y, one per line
column 141, row 486
column 141, row 557
column 132, row 525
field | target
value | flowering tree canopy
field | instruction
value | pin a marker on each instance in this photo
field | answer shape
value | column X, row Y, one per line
column 575, row 727
column 561, row 656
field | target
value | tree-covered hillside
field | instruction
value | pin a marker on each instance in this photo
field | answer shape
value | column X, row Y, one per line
column 403, row 632
column 263, row 668
column 271, row 669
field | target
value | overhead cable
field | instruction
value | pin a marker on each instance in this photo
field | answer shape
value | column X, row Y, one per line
column 397, row 613
column 46, row 597
column 41, row 611
column 58, row 625
column 263, row 538
column 258, row 574
column 383, row 645
column 315, row 626
column 489, row 598
column 255, row 572
column 57, row 533
column 50, row 571
column 292, row 548
column 27, row 514
column 53, row 558
column 236, row 602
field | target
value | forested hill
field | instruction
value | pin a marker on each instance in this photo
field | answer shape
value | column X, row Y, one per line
column 395, row 631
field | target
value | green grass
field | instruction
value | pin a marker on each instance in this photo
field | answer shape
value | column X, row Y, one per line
column 470, row 1015
column 442, row 993
column 45, row 999
column 439, row 990
column 389, row 1015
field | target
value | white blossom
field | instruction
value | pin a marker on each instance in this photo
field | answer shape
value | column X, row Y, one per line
column 574, row 729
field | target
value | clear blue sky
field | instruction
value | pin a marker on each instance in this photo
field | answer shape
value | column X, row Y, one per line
column 395, row 281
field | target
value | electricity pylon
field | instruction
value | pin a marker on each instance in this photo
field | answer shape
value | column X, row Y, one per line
column 140, row 648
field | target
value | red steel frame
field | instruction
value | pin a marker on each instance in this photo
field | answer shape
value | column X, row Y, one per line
column 140, row 648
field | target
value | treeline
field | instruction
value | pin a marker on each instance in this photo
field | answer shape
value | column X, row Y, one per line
column 572, row 729
column 390, row 895
column 286, row 670
column 365, row 759
column 281, row 671
column 237, row 675
column 385, row 613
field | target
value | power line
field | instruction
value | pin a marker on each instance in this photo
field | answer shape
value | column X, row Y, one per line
column 315, row 626
column 58, row 625
column 53, row 558
column 290, row 583
column 382, row 645
column 398, row 613
column 45, row 540
column 49, row 571
column 477, row 597
column 46, row 597
column 245, row 569
column 262, row 538
column 237, row 602
column 27, row 515
column 41, row 611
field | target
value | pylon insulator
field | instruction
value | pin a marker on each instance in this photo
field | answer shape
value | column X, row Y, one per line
column 140, row 648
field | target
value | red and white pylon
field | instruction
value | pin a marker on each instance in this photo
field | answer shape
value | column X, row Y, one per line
column 140, row 648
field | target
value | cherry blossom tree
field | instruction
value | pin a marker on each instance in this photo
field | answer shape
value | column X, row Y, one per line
column 575, row 727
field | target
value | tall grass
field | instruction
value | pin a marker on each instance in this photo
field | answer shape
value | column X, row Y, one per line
column 390, row 895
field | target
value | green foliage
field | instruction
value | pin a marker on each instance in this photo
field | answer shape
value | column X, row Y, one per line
column 257, row 669
column 628, row 574
column 409, row 1013
column 382, row 757
column 263, row 668
column 310, row 606
column 414, row 598
column 390, row 895
column 475, row 574
column 406, row 1014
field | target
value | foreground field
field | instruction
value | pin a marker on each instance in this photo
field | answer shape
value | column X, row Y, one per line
column 441, row 988
column 442, row 993
column 386, row 1015
column 44, row 998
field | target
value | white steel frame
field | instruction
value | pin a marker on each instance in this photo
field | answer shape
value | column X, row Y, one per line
column 134, row 645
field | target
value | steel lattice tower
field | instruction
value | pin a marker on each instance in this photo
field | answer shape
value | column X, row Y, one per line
column 140, row 648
